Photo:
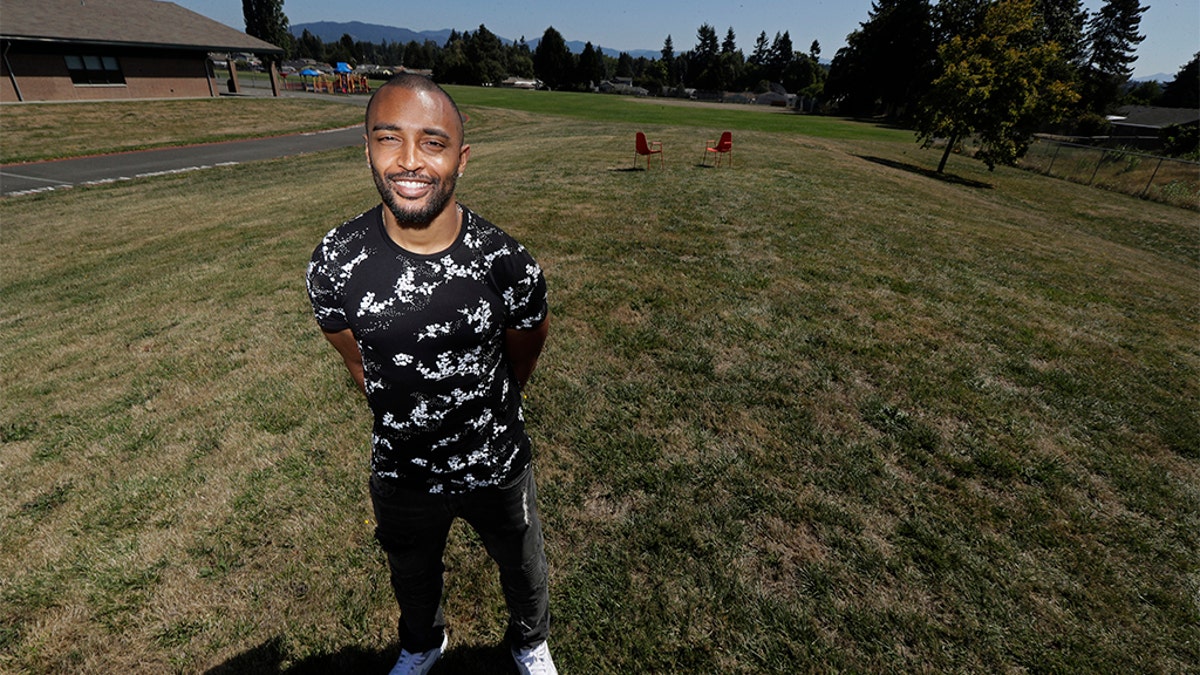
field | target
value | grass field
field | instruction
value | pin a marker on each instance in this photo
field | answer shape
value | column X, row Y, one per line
column 822, row 412
column 41, row 131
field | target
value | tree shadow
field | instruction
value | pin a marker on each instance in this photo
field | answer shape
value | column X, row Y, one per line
column 928, row 173
column 269, row 658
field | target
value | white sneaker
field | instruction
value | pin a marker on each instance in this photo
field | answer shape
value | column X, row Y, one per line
column 535, row 660
column 419, row 664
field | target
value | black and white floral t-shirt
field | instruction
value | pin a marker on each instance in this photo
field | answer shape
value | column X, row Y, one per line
column 446, row 404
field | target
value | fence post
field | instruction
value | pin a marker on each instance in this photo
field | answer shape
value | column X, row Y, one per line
column 1050, row 169
column 1097, row 169
column 1152, row 177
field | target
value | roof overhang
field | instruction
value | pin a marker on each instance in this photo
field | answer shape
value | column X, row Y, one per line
column 143, row 45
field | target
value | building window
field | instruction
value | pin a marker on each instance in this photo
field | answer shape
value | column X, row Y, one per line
column 95, row 70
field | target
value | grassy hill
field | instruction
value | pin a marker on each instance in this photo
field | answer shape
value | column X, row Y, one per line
column 820, row 412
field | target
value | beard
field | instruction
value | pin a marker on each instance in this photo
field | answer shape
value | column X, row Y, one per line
column 413, row 214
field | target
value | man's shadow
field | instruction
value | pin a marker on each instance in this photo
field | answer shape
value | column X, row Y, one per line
column 268, row 659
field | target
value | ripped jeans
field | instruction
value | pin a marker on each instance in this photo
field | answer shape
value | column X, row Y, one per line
column 412, row 528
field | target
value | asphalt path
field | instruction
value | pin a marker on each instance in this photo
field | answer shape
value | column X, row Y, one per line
column 19, row 179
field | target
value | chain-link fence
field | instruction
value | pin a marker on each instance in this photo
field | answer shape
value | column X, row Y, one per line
column 1172, row 181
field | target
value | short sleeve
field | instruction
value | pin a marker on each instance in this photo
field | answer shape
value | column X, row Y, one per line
column 325, row 292
column 525, row 297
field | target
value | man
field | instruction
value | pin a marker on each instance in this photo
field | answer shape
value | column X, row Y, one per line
column 440, row 318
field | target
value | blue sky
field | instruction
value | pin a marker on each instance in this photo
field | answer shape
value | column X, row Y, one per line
column 1172, row 28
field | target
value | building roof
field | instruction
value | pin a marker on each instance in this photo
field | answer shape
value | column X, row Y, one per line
column 140, row 23
column 1151, row 117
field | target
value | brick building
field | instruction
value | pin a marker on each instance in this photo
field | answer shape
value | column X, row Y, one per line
column 74, row 50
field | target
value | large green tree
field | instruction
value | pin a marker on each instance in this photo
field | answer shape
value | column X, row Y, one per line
column 1063, row 22
column 553, row 62
column 887, row 64
column 704, row 64
column 998, row 86
column 1113, row 37
column 519, row 59
column 589, row 68
column 1184, row 90
column 266, row 21
column 486, row 54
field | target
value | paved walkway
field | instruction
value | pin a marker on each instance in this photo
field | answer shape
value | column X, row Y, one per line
column 19, row 179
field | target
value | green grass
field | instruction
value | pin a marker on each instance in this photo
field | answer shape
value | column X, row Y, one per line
column 821, row 412
column 41, row 131
column 672, row 112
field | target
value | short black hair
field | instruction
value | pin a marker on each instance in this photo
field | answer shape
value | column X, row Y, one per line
column 414, row 82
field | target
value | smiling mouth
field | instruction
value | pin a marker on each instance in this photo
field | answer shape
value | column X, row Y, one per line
column 411, row 188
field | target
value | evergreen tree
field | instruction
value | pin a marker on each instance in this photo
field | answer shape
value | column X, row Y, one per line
column 485, row 53
column 762, row 50
column 1063, row 22
column 453, row 66
column 519, row 59
column 589, row 68
column 729, row 45
column 266, row 21
column 707, row 46
column 780, row 57
column 956, row 18
column 310, row 46
column 888, row 63
column 625, row 65
column 704, row 60
column 553, row 62
column 1112, row 38
column 1184, row 90
column 668, row 61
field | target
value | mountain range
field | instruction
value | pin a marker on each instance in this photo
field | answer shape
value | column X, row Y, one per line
column 332, row 31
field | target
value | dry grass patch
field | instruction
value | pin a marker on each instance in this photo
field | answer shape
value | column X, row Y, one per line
column 39, row 131
column 814, row 413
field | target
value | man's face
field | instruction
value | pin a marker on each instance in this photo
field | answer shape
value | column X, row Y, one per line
column 415, row 148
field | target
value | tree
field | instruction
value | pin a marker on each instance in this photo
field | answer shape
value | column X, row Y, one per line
column 310, row 46
column 950, row 18
column 266, row 21
column 729, row 44
column 762, row 50
column 1112, row 38
column 553, row 63
column 668, row 61
column 590, row 67
column 625, row 65
column 998, row 85
column 705, row 60
column 780, row 57
column 1184, row 90
column 888, row 63
column 485, row 52
column 1063, row 22
column 454, row 67
column 518, row 59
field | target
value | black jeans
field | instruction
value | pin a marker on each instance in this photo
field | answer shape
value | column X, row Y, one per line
column 412, row 527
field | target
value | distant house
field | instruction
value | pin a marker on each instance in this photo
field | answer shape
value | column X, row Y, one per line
column 1144, row 120
column 69, row 50
column 521, row 83
column 623, row 86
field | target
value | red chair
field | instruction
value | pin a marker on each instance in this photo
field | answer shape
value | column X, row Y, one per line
column 647, row 148
column 718, row 148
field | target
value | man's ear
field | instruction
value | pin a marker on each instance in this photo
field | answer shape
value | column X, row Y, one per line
column 464, row 155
